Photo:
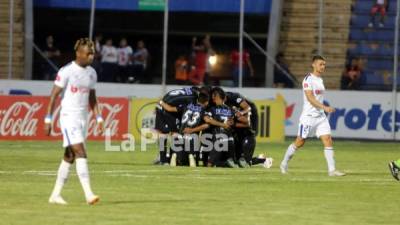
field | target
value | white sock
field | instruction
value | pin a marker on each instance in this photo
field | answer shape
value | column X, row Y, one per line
column 62, row 176
column 329, row 153
column 289, row 154
column 83, row 174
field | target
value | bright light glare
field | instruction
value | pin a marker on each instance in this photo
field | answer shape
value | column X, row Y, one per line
column 212, row 60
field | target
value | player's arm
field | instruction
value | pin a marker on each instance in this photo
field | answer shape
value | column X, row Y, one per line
column 314, row 102
column 94, row 105
column 213, row 122
column 245, row 109
column 55, row 92
column 168, row 108
column 199, row 128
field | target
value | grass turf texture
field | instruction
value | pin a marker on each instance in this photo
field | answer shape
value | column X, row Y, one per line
column 133, row 191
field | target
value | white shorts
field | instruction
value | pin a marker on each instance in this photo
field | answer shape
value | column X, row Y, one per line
column 310, row 126
column 74, row 128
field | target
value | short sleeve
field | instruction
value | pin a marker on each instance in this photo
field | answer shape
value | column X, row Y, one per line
column 93, row 79
column 61, row 78
column 307, row 84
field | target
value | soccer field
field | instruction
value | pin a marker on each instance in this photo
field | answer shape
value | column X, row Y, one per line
column 133, row 191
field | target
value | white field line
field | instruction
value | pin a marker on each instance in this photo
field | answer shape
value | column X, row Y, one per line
column 295, row 177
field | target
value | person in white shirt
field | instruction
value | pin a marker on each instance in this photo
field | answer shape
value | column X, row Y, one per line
column 109, row 59
column 313, row 119
column 124, row 60
column 77, row 80
column 140, row 57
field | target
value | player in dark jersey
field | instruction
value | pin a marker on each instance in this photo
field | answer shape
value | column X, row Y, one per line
column 245, row 107
column 221, row 119
column 245, row 137
column 192, row 124
column 167, row 122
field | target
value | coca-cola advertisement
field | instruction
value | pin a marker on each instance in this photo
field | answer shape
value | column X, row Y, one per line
column 22, row 118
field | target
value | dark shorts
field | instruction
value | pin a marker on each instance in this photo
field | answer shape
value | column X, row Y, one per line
column 166, row 122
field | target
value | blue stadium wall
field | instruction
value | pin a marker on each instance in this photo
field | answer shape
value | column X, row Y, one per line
column 227, row 6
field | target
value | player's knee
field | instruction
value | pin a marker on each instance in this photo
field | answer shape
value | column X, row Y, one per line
column 79, row 151
column 299, row 142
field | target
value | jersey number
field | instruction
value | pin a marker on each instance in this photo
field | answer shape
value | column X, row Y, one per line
column 190, row 117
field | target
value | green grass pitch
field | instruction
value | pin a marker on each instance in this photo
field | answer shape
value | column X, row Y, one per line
column 133, row 191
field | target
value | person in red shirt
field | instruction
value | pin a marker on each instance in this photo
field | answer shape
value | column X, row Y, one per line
column 379, row 6
column 201, row 53
column 247, row 66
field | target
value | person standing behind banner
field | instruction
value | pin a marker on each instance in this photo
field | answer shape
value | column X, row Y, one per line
column 109, row 59
column 124, row 60
column 140, row 61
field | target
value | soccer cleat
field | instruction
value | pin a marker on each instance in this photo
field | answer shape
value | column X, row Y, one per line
column 231, row 163
column 284, row 168
column 192, row 161
column 173, row 160
column 93, row 200
column 243, row 163
column 381, row 25
column 394, row 170
column 336, row 173
column 370, row 25
column 57, row 200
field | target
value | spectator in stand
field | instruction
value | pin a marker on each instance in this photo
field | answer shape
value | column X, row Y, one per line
column 140, row 63
column 379, row 6
column 351, row 75
column 281, row 80
column 181, row 70
column 124, row 60
column 201, row 54
column 247, row 66
column 53, row 54
column 109, row 59
column 97, row 55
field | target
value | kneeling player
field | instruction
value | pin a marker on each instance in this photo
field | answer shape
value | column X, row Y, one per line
column 169, row 122
column 220, row 117
column 187, row 144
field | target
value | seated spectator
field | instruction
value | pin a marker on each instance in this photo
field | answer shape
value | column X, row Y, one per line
column 351, row 75
column 140, row 60
column 379, row 6
column 124, row 60
column 53, row 54
column 247, row 66
column 109, row 59
column 181, row 70
column 281, row 80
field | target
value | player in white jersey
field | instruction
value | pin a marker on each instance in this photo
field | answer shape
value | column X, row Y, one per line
column 313, row 119
column 77, row 81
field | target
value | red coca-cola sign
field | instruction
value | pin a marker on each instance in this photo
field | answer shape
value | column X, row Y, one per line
column 22, row 118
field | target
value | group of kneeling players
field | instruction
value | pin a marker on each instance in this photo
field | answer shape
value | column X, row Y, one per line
column 207, row 126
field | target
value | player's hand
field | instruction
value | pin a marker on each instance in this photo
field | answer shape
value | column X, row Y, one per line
column 238, row 114
column 47, row 129
column 194, row 39
column 187, row 130
column 329, row 109
column 101, row 127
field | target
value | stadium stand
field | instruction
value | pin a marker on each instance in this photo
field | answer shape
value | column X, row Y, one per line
column 374, row 45
column 18, row 37
column 299, row 36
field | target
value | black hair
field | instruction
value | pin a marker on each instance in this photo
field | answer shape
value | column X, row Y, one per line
column 219, row 91
column 318, row 57
column 203, row 97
